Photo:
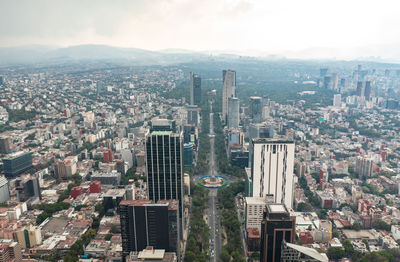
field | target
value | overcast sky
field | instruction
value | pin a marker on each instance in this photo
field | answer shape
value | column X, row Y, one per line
column 347, row 27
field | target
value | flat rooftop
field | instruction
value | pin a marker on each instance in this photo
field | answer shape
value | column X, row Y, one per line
column 277, row 208
column 161, row 133
column 271, row 141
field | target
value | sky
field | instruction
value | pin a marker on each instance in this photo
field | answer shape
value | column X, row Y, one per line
column 326, row 28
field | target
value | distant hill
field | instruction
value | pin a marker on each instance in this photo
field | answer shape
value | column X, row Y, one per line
column 42, row 54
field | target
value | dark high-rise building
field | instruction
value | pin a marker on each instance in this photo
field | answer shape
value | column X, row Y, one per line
column 1, row 81
column 322, row 72
column 359, row 88
column 195, row 89
column 327, row 82
column 367, row 91
column 144, row 223
column 5, row 145
column 164, row 150
column 256, row 109
column 277, row 226
column 17, row 164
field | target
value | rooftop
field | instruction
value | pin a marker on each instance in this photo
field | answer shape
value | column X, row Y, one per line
column 161, row 133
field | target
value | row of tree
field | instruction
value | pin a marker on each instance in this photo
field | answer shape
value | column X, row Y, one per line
column 230, row 222
column 197, row 243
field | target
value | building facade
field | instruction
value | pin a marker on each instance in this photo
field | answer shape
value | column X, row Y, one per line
column 17, row 164
column 255, row 108
column 233, row 112
column 164, row 150
column 272, row 163
column 195, row 89
column 4, row 190
column 228, row 90
column 144, row 223
column 277, row 226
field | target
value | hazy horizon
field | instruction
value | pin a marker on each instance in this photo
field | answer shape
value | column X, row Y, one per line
column 294, row 29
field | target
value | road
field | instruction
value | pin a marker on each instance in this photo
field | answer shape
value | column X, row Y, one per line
column 213, row 216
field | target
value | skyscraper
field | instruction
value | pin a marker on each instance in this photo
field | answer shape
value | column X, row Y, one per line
column 277, row 226
column 272, row 163
column 322, row 72
column 327, row 82
column 144, row 223
column 256, row 109
column 233, row 112
column 164, row 164
column 367, row 91
column 228, row 90
column 195, row 89
column 335, row 81
column 359, row 88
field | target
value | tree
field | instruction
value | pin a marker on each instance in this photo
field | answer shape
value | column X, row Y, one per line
column 356, row 226
column 335, row 253
column 304, row 207
column 108, row 237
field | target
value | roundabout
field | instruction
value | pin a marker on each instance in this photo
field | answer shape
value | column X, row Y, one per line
column 213, row 181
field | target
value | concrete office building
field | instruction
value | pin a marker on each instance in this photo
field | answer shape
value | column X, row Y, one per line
column 277, row 226
column 233, row 112
column 272, row 162
column 195, row 89
column 337, row 100
column 4, row 190
column 228, row 90
column 5, row 145
column 144, row 223
column 29, row 236
column 164, row 167
column 16, row 164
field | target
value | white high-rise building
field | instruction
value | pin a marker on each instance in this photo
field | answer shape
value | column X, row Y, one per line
column 228, row 90
column 272, row 163
column 337, row 100
column 233, row 112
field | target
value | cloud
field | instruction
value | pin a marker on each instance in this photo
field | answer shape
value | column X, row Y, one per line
column 266, row 25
